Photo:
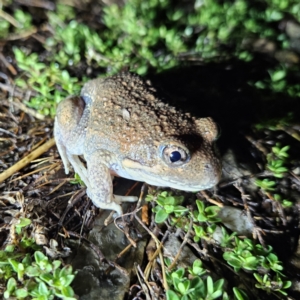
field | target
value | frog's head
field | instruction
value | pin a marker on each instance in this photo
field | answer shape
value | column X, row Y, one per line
column 185, row 162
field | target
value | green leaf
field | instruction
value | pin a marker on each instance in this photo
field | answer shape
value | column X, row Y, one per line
column 200, row 206
column 21, row 293
column 240, row 294
column 66, row 270
column 278, row 75
column 199, row 231
column 39, row 257
column 43, row 290
column 22, row 222
column 218, row 285
column 14, row 264
column 202, row 217
column 161, row 216
column 210, row 285
column 10, row 248
column 11, row 284
column 56, row 264
column 67, row 291
column 183, row 287
column 171, row 295
column 250, row 263
column 197, row 268
column 233, row 260
column 169, row 209
column 258, row 277
column 32, row 271
column 212, row 211
column 216, row 294
column 47, row 278
column 66, row 280
column 286, row 284
column 196, row 283
column 178, row 273
column 180, row 209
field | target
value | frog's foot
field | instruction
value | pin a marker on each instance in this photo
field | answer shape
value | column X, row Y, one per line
column 119, row 198
column 105, row 203
column 100, row 188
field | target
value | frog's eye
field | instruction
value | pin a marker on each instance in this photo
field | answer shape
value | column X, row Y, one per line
column 174, row 155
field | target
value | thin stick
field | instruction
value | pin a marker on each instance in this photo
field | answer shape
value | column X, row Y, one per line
column 26, row 160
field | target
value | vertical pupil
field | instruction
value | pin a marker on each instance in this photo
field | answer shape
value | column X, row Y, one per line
column 175, row 156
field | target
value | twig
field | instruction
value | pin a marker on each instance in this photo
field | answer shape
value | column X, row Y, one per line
column 159, row 245
column 185, row 240
column 27, row 110
column 38, row 3
column 26, row 160
column 205, row 195
column 279, row 208
column 256, row 231
column 22, row 35
column 9, row 66
column 140, row 198
column 9, row 19
column 76, row 197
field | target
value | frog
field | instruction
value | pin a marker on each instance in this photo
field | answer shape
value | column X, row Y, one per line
column 122, row 126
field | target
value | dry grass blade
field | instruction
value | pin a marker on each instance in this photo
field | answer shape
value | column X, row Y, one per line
column 27, row 159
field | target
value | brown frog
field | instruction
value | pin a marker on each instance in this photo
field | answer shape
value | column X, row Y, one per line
column 121, row 127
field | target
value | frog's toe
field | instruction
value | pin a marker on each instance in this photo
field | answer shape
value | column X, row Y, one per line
column 118, row 198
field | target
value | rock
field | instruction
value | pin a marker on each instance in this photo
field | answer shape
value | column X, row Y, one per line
column 286, row 56
column 171, row 248
column 92, row 282
column 236, row 220
column 292, row 29
column 96, row 279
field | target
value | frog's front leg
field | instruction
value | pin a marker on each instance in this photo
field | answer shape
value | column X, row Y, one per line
column 100, row 187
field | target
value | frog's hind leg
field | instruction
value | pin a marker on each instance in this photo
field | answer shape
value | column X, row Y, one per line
column 61, row 149
column 79, row 168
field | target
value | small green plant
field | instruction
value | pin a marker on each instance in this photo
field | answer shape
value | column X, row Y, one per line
column 4, row 28
column 272, row 284
column 14, row 24
column 49, row 82
column 266, row 184
column 25, row 278
column 151, row 35
column 206, row 214
column 203, row 232
column 24, row 20
column 77, row 180
column 240, row 294
column 277, row 159
column 167, row 204
column 227, row 238
column 5, row 267
column 284, row 202
column 196, row 269
column 41, row 279
column 242, row 254
column 185, row 287
column 276, row 163
column 245, row 254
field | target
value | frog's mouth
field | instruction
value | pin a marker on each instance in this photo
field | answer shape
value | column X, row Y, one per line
column 162, row 176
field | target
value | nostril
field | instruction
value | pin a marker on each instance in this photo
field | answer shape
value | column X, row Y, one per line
column 207, row 167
